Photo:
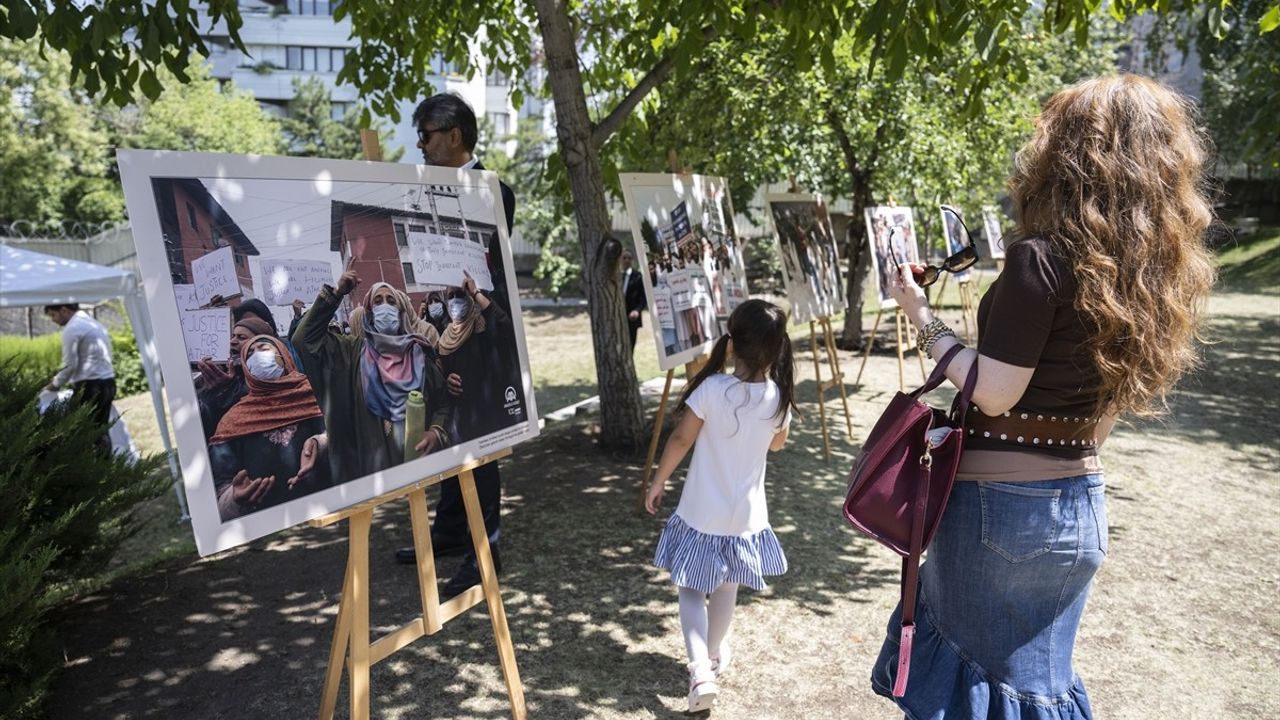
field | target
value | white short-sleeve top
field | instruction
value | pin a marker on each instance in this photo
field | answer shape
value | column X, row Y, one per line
column 724, row 491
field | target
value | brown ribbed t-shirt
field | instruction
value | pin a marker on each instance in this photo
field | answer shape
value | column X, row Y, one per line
column 1028, row 318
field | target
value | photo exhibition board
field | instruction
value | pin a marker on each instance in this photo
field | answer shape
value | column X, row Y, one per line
column 810, row 258
column 995, row 235
column 291, row 400
column 690, row 258
column 891, row 233
column 956, row 238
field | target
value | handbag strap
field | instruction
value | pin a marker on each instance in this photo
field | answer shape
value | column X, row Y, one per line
column 939, row 372
column 911, row 575
column 965, row 398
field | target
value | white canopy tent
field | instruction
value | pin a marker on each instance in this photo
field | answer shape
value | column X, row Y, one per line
column 32, row 278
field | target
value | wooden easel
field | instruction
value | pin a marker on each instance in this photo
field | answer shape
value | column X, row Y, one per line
column 351, row 633
column 690, row 369
column 903, row 331
column 837, row 380
column 351, row 644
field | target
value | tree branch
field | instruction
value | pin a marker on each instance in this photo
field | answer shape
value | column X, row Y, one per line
column 605, row 129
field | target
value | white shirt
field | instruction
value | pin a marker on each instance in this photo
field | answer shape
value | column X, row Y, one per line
column 470, row 163
column 86, row 351
column 724, row 491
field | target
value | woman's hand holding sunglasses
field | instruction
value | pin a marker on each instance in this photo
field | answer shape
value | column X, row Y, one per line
column 904, row 288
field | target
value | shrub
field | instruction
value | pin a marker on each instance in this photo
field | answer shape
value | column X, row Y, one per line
column 64, row 510
column 43, row 354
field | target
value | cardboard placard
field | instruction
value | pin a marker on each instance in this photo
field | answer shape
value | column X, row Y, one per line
column 185, row 295
column 215, row 274
column 207, row 333
column 441, row 260
column 287, row 280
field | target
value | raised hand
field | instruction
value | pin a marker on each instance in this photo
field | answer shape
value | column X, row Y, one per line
column 347, row 282
column 247, row 491
column 213, row 375
column 306, row 461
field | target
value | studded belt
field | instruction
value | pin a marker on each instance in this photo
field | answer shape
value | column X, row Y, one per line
column 1034, row 429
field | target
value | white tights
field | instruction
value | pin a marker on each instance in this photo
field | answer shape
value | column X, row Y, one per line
column 705, row 621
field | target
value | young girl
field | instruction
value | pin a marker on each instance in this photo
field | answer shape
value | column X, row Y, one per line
column 719, row 536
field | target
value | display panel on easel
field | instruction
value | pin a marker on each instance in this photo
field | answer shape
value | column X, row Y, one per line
column 810, row 261
column 687, row 249
column 891, row 232
column 351, row 395
column 995, row 235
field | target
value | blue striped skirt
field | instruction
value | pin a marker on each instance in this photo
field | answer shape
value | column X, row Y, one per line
column 703, row 562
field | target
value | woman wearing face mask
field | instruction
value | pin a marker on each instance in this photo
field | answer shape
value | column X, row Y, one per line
column 433, row 311
column 478, row 346
column 363, row 380
column 220, row 386
column 270, row 447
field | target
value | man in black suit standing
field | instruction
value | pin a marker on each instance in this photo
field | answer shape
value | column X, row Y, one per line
column 633, row 293
column 447, row 134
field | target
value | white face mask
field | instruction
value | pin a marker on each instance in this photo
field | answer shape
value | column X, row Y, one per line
column 264, row 365
column 458, row 309
column 436, row 310
column 386, row 319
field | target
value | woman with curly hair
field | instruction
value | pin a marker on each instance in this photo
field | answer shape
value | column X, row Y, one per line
column 1094, row 317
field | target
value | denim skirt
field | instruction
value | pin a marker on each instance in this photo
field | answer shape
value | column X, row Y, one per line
column 1002, row 589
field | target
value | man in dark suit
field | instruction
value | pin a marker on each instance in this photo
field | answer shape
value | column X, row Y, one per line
column 632, row 293
column 447, row 135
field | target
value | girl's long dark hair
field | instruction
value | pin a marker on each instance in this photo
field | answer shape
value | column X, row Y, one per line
column 760, row 341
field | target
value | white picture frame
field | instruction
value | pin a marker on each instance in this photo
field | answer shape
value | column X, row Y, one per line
column 307, row 209
column 882, row 242
column 806, row 245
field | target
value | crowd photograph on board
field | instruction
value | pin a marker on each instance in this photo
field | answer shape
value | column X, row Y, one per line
column 956, row 236
column 810, row 259
column 331, row 329
column 891, row 231
column 688, row 249
column 995, row 236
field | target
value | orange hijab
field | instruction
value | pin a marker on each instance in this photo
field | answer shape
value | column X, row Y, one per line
column 270, row 404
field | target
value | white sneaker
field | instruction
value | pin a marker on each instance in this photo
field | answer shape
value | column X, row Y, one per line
column 720, row 663
column 702, row 688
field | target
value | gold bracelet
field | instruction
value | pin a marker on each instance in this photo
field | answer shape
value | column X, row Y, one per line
column 931, row 333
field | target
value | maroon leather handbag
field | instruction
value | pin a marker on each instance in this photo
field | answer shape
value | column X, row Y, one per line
column 901, row 481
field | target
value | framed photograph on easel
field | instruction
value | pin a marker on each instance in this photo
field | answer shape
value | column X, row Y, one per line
column 810, row 260
column 336, row 385
column 995, row 236
column 891, row 232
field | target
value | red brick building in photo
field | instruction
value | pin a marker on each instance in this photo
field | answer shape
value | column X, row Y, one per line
column 194, row 224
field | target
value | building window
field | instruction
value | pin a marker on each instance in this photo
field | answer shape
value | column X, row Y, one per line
column 501, row 123
column 312, row 7
column 315, row 59
column 418, row 228
column 339, row 110
column 408, row 274
column 191, row 217
column 293, row 58
column 216, row 237
column 337, row 56
column 401, row 239
column 497, row 78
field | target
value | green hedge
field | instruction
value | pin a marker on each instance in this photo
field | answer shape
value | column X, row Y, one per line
column 44, row 354
column 65, row 507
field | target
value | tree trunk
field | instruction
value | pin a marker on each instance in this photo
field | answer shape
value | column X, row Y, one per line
column 859, row 258
column 621, row 412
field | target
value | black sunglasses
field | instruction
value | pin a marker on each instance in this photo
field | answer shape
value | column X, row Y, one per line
column 424, row 135
column 960, row 261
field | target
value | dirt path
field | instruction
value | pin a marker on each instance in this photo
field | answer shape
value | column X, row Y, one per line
column 1183, row 621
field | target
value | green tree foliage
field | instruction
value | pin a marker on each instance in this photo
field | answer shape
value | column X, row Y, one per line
column 630, row 48
column 64, row 509
column 311, row 131
column 52, row 151
column 198, row 115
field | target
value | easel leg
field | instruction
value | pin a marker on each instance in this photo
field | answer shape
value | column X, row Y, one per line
column 838, row 374
column 358, row 662
column 653, row 441
column 338, row 650
column 897, row 329
column 430, row 594
column 857, row 382
column 822, row 408
column 489, row 581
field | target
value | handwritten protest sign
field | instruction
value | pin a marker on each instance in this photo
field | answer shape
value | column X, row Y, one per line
column 215, row 274
column 441, row 260
column 680, row 223
column 681, row 290
column 207, row 333
column 662, row 307
column 185, row 296
column 287, row 280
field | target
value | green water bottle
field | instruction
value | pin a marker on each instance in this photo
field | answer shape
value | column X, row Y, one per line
column 415, row 421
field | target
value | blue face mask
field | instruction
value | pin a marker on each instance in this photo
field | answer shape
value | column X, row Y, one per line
column 386, row 319
column 436, row 310
column 458, row 308
column 264, row 365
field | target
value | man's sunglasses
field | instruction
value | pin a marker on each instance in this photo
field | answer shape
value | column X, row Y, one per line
column 424, row 135
column 962, row 260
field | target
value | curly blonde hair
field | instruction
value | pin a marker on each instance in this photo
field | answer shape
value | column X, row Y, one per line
column 1114, row 178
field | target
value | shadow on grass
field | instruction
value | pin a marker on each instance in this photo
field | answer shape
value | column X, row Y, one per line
column 247, row 633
